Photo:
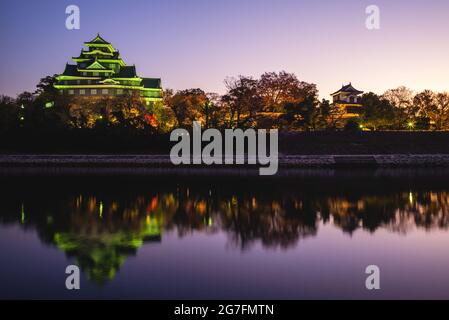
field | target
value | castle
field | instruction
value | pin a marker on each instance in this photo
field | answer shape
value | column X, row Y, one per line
column 348, row 100
column 100, row 71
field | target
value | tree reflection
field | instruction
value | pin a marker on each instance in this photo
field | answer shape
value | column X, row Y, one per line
column 100, row 230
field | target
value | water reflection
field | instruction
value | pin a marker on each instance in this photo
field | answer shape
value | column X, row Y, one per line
column 102, row 228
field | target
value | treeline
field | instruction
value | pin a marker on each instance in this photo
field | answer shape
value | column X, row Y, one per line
column 275, row 100
column 45, row 109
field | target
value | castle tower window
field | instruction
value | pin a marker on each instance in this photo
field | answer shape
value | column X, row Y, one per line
column 71, row 91
column 104, row 91
column 82, row 92
column 93, row 91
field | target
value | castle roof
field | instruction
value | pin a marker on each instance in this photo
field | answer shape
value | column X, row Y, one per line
column 98, row 40
column 126, row 72
column 347, row 89
column 71, row 70
column 153, row 83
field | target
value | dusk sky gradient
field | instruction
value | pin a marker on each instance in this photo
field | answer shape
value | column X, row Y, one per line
column 198, row 43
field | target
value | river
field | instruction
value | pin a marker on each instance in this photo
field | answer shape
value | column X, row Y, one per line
column 307, row 236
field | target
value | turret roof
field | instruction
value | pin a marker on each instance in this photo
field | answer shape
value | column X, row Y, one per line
column 126, row 72
column 98, row 40
column 347, row 89
column 154, row 83
column 71, row 70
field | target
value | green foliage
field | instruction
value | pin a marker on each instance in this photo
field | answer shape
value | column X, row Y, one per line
column 187, row 106
column 303, row 114
column 378, row 113
column 166, row 119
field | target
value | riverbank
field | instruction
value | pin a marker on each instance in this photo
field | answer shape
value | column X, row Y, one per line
column 285, row 161
column 290, row 143
column 88, row 152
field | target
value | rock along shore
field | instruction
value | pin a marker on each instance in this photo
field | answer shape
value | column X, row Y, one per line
column 285, row 161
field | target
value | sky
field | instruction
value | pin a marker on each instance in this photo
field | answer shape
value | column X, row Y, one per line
column 199, row 43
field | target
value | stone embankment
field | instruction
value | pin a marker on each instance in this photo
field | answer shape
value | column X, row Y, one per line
column 285, row 161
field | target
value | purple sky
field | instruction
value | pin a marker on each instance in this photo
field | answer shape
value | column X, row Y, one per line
column 198, row 43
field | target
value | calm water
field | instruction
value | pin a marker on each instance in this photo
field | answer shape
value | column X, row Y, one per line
column 305, row 237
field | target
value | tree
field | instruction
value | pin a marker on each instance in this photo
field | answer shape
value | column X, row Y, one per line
column 303, row 114
column 130, row 111
column 402, row 99
column 188, row 106
column 9, row 115
column 242, row 100
column 127, row 112
column 33, row 107
column 425, row 103
column 279, row 89
column 441, row 118
column 45, row 88
column 25, row 98
column 83, row 112
column 165, row 117
column 27, row 112
column 378, row 113
column 330, row 115
column 433, row 108
column 214, row 111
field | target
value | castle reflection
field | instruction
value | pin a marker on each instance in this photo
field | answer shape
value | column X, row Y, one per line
column 101, row 229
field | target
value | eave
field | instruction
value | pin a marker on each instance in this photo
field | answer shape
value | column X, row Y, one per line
column 100, row 45
column 95, row 70
column 63, row 77
column 128, row 79
column 119, row 61
column 348, row 104
column 152, row 89
column 97, row 86
column 151, row 98
column 97, row 52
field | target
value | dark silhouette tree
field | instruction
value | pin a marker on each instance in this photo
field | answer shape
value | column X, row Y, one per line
column 243, row 101
column 378, row 113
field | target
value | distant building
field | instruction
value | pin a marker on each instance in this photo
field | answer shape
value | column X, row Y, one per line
column 348, row 99
column 100, row 71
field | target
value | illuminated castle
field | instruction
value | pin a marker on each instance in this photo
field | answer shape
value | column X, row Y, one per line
column 348, row 100
column 100, row 71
